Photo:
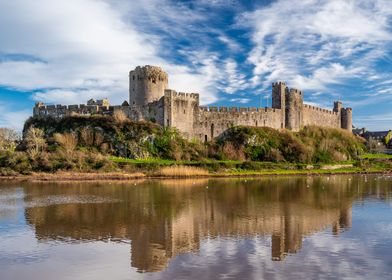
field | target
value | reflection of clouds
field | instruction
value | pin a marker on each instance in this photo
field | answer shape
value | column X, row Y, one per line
column 322, row 256
column 8, row 202
column 68, row 199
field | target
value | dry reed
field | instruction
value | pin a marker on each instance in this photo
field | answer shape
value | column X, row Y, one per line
column 183, row 171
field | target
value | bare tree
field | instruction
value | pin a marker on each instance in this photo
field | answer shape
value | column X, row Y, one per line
column 35, row 141
column 9, row 139
column 87, row 136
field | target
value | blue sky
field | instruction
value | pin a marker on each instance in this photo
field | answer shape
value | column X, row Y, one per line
column 230, row 52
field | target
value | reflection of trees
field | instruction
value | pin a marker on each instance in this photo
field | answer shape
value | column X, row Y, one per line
column 165, row 218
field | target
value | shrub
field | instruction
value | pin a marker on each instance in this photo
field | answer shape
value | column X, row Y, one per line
column 119, row 116
column 67, row 141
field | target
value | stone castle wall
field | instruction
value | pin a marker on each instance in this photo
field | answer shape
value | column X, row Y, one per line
column 313, row 115
column 150, row 100
column 59, row 111
column 213, row 121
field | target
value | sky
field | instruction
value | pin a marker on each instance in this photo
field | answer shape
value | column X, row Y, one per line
column 229, row 51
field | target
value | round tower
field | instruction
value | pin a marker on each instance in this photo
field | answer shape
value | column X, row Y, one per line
column 146, row 84
column 347, row 118
column 294, row 104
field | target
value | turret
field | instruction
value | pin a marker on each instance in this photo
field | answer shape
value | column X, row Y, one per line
column 294, row 104
column 146, row 84
column 347, row 118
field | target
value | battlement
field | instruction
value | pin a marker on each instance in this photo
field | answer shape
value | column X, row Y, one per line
column 224, row 109
column 149, row 72
column 58, row 110
column 182, row 95
column 281, row 83
column 315, row 108
column 295, row 91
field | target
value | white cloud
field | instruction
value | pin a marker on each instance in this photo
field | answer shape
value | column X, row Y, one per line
column 314, row 43
column 81, row 47
column 240, row 100
column 13, row 119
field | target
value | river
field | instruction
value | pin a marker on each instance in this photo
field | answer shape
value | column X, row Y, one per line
column 324, row 227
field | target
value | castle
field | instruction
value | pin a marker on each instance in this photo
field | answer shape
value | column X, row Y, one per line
column 150, row 99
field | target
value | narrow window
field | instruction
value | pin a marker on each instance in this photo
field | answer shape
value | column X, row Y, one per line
column 264, row 122
column 184, row 112
column 256, row 123
column 205, row 138
column 167, row 122
column 212, row 131
column 133, row 77
column 281, row 125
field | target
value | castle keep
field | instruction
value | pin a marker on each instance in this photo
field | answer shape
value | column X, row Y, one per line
column 150, row 99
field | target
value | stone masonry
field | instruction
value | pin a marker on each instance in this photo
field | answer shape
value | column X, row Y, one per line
column 150, row 99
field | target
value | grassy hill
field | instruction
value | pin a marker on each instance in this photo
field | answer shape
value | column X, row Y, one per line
column 108, row 143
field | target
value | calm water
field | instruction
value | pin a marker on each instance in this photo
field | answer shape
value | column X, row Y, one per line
column 269, row 228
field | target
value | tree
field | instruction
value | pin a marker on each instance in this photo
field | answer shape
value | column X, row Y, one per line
column 35, row 141
column 8, row 139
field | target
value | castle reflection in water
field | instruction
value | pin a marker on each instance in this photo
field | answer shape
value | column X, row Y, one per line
column 162, row 219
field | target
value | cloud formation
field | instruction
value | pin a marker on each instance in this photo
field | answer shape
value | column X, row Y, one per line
column 314, row 44
column 228, row 51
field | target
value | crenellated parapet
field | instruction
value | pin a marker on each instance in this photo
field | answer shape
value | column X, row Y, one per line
column 318, row 109
column 59, row 111
column 182, row 95
column 223, row 109
column 149, row 72
column 295, row 91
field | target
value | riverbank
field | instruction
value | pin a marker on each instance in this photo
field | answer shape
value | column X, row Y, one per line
column 123, row 176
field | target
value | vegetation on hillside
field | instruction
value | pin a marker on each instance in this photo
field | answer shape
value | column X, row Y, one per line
column 114, row 143
column 311, row 145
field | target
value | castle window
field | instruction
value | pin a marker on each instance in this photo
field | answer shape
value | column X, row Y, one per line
column 184, row 112
column 264, row 122
column 133, row 77
column 256, row 123
column 281, row 125
column 205, row 138
column 167, row 122
column 212, row 131
column 154, row 81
